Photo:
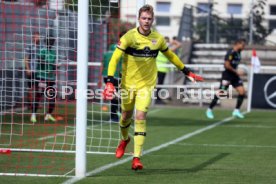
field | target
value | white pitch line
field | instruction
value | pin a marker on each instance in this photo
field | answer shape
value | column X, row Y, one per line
column 226, row 145
column 64, row 133
column 52, row 136
column 249, row 126
column 154, row 149
column 72, row 131
column 154, row 111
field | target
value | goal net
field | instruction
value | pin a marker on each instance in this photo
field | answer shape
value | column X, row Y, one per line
column 38, row 110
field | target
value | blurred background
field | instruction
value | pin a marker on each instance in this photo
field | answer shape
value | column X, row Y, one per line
column 205, row 28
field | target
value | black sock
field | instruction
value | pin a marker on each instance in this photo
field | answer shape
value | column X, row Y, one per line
column 214, row 102
column 36, row 101
column 51, row 106
column 114, row 107
column 239, row 101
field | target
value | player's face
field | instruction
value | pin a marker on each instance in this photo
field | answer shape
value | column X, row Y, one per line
column 167, row 40
column 145, row 21
column 241, row 46
column 36, row 38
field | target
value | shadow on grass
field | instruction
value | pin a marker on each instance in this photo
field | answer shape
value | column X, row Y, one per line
column 170, row 121
column 194, row 169
column 165, row 171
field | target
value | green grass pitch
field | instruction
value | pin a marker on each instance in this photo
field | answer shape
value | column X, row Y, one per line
column 238, row 151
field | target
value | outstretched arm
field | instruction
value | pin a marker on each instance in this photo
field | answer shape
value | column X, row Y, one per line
column 114, row 61
column 228, row 67
column 109, row 87
column 173, row 58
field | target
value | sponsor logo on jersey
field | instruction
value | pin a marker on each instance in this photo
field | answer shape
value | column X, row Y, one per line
column 146, row 52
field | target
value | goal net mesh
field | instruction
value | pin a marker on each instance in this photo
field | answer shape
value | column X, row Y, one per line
column 44, row 146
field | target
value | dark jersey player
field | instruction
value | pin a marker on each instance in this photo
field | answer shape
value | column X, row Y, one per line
column 230, row 76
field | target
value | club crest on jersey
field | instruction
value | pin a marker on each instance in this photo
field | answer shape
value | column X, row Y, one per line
column 154, row 42
column 146, row 50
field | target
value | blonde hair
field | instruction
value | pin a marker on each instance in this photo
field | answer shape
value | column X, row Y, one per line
column 146, row 8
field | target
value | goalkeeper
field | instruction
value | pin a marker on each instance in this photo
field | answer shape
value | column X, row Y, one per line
column 139, row 48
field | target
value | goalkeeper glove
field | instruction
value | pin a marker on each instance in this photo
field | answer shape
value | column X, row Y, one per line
column 193, row 77
column 109, row 89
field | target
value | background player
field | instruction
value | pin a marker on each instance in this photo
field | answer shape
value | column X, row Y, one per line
column 230, row 76
column 45, row 75
column 140, row 47
column 30, row 61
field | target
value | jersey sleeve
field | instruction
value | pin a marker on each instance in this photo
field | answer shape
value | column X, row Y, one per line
column 124, row 42
column 228, row 56
column 174, row 59
column 116, row 57
column 163, row 45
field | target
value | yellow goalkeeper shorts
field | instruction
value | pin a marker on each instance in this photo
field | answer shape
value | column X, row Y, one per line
column 136, row 98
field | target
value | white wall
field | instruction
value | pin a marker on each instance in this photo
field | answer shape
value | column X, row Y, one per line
column 128, row 12
column 56, row 4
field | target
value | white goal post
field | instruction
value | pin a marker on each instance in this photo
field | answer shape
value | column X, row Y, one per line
column 82, row 74
column 81, row 113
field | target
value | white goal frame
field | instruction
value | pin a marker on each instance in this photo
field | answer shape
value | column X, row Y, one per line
column 82, row 74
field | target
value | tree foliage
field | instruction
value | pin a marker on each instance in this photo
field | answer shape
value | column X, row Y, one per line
column 260, row 31
column 99, row 8
column 96, row 7
column 117, row 26
column 228, row 30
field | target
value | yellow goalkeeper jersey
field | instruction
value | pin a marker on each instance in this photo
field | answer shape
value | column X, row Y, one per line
column 140, row 52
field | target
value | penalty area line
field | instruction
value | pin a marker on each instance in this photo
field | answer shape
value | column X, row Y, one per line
column 64, row 133
column 227, row 145
column 151, row 150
